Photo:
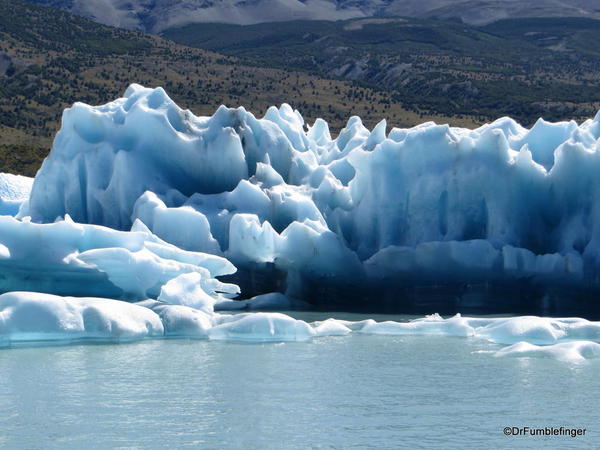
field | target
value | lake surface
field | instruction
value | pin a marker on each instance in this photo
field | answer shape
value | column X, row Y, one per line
column 354, row 391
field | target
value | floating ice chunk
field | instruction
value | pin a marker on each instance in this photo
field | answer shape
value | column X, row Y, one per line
column 430, row 325
column 331, row 327
column 565, row 351
column 262, row 327
column 181, row 321
column 357, row 325
column 580, row 329
column 534, row 330
column 509, row 330
column 31, row 316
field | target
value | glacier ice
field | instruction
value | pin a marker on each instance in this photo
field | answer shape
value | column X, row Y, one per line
column 331, row 327
column 14, row 191
column 69, row 258
column 359, row 216
column 32, row 316
column 179, row 320
column 507, row 331
column 566, row 351
column 141, row 207
column 262, row 327
column 273, row 301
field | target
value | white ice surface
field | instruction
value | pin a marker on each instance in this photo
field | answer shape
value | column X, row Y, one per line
column 90, row 260
column 566, row 351
column 14, row 190
column 31, row 316
column 263, row 327
column 181, row 321
column 34, row 317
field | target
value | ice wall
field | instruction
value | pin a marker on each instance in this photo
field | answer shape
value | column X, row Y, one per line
column 429, row 205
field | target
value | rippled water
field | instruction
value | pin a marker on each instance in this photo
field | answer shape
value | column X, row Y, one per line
column 354, row 391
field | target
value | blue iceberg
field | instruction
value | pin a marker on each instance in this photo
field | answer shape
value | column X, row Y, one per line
column 367, row 215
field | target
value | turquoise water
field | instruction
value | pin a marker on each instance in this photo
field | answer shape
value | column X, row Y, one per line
column 335, row 392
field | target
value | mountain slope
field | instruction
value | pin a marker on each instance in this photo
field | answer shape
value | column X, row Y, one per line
column 525, row 68
column 158, row 15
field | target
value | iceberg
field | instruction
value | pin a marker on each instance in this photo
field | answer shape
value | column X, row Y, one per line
column 146, row 221
column 503, row 330
column 273, row 301
column 360, row 217
column 32, row 316
column 261, row 327
column 567, row 351
column 14, row 191
column 68, row 258
column 180, row 321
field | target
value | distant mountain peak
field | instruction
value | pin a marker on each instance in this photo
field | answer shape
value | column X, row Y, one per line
column 158, row 15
